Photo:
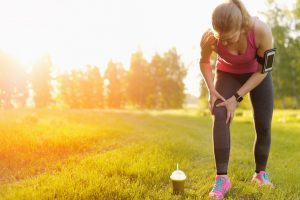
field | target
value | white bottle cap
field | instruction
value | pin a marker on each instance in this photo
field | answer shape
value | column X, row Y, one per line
column 178, row 175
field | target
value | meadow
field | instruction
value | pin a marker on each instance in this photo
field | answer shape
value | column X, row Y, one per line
column 130, row 154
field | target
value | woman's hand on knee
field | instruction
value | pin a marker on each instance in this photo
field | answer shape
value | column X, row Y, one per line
column 230, row 105
column 213, row 97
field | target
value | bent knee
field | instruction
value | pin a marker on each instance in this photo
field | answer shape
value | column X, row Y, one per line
column 219, row 112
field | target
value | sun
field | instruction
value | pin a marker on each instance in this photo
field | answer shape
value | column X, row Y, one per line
column 26, row 56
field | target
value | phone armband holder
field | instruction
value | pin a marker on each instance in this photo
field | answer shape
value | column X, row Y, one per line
column 267, row 60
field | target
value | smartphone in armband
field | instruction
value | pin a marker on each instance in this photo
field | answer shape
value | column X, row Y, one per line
column 267, row 60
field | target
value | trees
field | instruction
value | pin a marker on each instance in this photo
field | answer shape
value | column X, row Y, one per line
column 158, row 84
column 41, row 81
column 96, row 87
column 295, row 48
column 154, row 84
column 88, row 85
column 115, row 92
column 82, row 88
column 139, row 81
column 285, row 28
column 13, row 82
column 172, row 86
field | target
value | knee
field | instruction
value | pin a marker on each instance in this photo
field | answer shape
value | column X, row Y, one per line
column 219, row 113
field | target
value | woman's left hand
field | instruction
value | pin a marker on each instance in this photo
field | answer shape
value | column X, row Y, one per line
column 230, row 105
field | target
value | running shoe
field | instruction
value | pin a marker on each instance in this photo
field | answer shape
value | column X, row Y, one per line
column 262, row 179
column 221, row 186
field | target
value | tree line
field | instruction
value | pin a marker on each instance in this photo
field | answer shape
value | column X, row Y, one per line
column 154, row 84
column 285, row 25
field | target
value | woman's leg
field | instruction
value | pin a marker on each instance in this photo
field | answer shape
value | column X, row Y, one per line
column 262, row 99
column 226, row 84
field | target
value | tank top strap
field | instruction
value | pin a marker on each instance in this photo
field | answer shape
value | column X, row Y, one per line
column 251, row 34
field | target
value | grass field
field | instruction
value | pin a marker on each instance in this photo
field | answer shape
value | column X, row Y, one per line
column 115, row 154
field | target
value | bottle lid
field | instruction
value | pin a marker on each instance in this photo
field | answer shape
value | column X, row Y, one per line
column 178, row 175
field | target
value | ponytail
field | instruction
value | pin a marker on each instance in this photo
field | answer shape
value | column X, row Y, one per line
column 246, row 17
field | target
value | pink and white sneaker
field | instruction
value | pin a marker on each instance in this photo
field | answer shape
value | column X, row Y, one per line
column 262, row 179
column 221, row 186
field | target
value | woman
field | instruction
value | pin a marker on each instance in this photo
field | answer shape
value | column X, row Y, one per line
column 237, row 38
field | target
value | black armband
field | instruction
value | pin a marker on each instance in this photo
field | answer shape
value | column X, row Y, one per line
column 267, row 60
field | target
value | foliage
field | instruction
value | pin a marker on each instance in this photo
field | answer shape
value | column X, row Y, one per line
column 285, row 29
column 41, row 81
column 82, row 88
column 158, row 84
column 115, row 74
column 13, row 82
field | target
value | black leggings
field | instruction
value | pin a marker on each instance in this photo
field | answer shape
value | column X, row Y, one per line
column 262, row 100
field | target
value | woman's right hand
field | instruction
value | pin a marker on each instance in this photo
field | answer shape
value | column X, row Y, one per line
column 213, row 96
column 208, row 41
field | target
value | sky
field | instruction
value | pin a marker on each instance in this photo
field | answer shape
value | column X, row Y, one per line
column 80, row 32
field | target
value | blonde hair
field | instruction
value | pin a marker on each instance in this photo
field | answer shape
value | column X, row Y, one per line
column 231, row 15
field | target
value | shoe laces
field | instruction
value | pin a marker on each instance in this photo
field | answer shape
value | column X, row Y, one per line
column 218, row 185
column 265, row 177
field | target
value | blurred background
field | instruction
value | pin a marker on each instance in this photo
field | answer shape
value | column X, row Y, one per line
column 100, row 99
column 125, row 54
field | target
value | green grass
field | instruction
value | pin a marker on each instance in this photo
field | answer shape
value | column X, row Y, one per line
column 113, row 154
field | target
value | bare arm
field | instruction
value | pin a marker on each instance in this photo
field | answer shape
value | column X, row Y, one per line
column 264, row 42
column 206, row 71
column 208, row 42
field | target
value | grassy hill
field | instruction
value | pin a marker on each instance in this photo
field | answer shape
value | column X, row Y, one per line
column 125, row 154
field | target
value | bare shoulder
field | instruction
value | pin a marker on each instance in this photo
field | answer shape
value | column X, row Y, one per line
column 262, row 31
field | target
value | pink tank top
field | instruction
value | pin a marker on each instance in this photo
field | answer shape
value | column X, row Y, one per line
column 238, row 64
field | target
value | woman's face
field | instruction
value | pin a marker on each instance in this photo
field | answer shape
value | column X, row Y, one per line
column 230, row 37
